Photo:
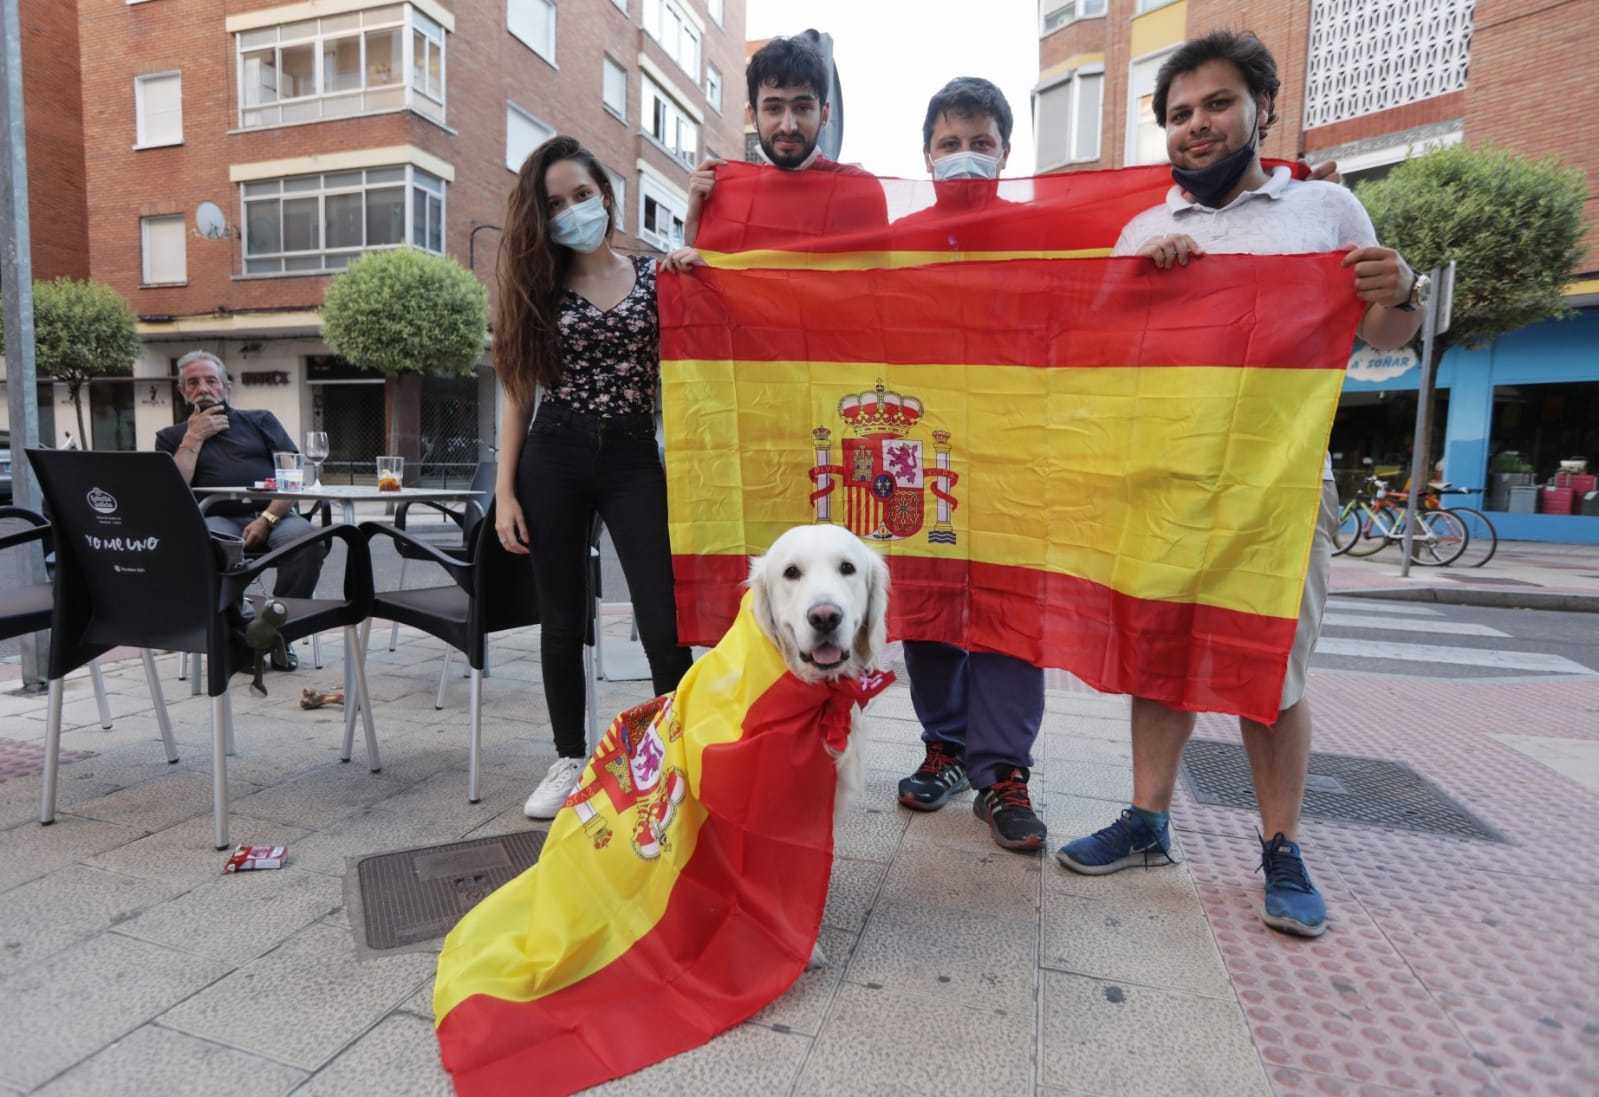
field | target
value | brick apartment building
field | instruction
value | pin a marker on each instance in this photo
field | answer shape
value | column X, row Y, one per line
column 218, row 161
column 1370, row 83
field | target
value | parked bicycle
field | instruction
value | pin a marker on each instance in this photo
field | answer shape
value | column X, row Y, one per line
column 1373, row 519
column 1482, row 539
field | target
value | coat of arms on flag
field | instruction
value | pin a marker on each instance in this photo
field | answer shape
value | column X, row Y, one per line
column 884, row 471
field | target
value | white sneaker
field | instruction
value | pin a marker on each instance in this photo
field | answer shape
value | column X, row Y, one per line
column 546, row 801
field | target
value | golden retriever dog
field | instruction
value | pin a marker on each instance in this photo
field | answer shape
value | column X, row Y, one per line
column 821, row 596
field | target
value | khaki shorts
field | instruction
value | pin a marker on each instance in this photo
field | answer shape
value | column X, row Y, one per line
column 1313, row 600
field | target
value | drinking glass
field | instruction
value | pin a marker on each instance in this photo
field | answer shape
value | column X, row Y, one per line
column 316, row 451
column 391, row 473
column 290, row 470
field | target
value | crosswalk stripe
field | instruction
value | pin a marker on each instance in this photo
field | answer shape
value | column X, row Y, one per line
column 1432, row 653
column 1370, row 605
column 1402, row 624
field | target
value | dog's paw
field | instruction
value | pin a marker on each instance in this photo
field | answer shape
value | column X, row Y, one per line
column 818, row 958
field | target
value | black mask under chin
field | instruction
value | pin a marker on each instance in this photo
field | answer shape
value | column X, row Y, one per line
column 1214, row 182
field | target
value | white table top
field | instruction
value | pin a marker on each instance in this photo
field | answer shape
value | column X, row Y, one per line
column 346, row 495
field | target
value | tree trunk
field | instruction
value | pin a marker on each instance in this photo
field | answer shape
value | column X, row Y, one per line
column 403, row 414
column 75, row 390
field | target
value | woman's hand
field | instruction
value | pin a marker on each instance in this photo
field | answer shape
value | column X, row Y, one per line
column 682, row 259
column 509, row 525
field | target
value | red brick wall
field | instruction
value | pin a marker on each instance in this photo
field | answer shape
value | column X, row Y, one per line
column 53, row 113
column 485, row 67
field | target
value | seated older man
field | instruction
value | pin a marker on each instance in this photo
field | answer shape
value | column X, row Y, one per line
column 221, row 445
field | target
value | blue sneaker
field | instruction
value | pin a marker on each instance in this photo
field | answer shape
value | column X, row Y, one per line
column 1293, row 905
column 1127, row 842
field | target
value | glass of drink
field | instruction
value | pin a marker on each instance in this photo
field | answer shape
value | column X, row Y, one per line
column 316, row 451
column 290, row 470
column 391, row 473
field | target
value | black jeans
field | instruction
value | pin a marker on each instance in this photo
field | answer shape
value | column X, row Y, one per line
column 574, row 466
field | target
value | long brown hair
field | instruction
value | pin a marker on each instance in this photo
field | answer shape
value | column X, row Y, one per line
column 532, row 272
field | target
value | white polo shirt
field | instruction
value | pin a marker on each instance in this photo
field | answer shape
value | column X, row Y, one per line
column 1282, row 217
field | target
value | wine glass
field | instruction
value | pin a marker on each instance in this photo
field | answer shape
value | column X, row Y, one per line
column 316, row 451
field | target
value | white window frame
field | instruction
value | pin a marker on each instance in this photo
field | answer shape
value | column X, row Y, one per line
column 1055, row 14
column 621, row 5
column 652, row 190
column 1135, row 121
column 423, row 199
column 713, row 87
column 322, row 103
column 514, row 113
column 675, row 123
column 682, row 38
column 539, row 48
column 169, row 224
column 619, row 196
column 717, row 10
column 608, row 66
column 1143, row 7
column 1074, row 84
column 141, row 116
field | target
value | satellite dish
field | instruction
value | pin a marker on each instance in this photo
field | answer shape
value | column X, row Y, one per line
column 209, row 222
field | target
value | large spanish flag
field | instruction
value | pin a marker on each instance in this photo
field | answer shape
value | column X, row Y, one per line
column 1087, row 463
column 680, row 889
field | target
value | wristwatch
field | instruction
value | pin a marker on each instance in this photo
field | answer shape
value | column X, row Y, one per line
column 1420, row 292
column 271, row 519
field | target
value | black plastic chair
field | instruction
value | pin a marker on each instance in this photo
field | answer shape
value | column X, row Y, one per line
column 135, row 566
column 491, row 591
column 466, row 519
column 27, row 609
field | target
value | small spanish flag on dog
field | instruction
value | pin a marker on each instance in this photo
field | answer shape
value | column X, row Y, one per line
column 680, row 891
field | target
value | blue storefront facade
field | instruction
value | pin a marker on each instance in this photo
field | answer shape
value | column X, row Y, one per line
column 1531, row 395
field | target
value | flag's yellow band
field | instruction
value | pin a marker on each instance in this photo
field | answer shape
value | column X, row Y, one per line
column 774, row 259
column 1220, row 459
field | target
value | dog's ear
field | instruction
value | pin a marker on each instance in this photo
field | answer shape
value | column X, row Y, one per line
column 761, row 602
column 872, row 636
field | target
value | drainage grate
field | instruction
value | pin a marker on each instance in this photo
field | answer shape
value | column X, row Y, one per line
column 418, row 894
column 1341, row 788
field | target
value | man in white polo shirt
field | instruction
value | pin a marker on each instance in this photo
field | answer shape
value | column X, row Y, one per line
column 1215, row 96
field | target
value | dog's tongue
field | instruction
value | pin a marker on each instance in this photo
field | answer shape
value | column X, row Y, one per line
column 826, row 655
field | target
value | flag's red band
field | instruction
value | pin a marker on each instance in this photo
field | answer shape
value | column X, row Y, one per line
column 1220, row 310
column 1193, row 657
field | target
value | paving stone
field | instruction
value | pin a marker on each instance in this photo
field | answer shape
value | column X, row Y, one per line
column 851, row 891
column 52, row 913
column 182, row 854
column 399, row 1057
column 745, row 1060
column 65, row 1009
column 239, row 915
column 804, row 1006
column 1163, row 943
column 320, row 797
column 1101, row 781
column 950, row 1047
column 303, row 1001
column 943, row 952
column 984, row 881
column 152, row 1061
column 163, row 800
column 28, row 851
column 1120, row 1038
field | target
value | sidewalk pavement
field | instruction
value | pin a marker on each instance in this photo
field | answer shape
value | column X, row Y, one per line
column 130, row 965
column 1521, row 575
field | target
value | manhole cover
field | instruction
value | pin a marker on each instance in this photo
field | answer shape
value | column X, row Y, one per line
column 1341, row 788
column 418, row 894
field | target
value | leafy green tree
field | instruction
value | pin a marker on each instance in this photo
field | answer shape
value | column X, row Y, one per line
column 405, row 313
column 1514, row 227
column 82, row 330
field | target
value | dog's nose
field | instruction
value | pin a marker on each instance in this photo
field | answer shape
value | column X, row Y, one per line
column 824, row 617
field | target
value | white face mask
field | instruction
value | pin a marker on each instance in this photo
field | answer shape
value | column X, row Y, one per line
column 966, row 165
column 581, row 227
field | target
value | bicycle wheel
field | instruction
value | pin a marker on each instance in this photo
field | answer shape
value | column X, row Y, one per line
column 1440, row 538
column 1375, row 526
column 1483, row 539
column 1349, row 526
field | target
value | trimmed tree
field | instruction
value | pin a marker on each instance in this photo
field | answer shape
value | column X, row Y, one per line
column 405, row 313
column 1514, row 227
column 82, row 330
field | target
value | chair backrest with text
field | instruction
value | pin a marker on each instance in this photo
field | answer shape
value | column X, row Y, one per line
column 134, row 564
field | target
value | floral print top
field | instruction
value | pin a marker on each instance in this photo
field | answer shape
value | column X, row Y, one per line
column 611, row 360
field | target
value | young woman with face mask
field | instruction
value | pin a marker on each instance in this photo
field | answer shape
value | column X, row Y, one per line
column 576, row 327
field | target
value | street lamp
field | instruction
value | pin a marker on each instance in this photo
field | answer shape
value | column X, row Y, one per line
column 471, row 244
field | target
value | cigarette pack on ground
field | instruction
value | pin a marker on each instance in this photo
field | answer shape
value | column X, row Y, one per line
column 247, row 858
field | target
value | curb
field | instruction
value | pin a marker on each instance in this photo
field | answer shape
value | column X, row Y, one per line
column 1566, row 601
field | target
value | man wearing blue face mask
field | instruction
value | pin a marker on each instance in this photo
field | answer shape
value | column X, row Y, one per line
column 980, row 712
column 1216, row 96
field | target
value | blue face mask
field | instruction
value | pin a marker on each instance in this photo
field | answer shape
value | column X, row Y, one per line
column 966, row 165
column 581, row 227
